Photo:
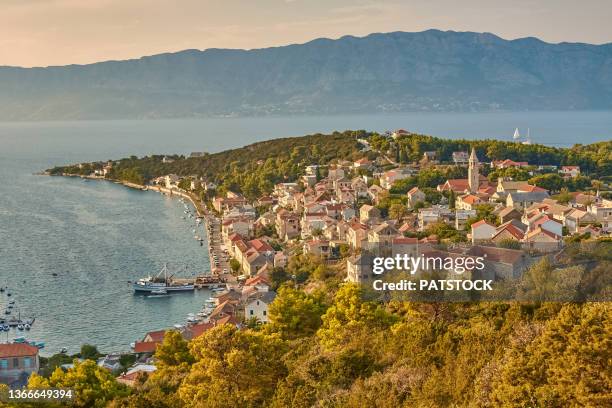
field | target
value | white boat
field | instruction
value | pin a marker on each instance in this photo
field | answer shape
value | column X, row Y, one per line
column 132, row 345
column 178, row 326
column 159, row 282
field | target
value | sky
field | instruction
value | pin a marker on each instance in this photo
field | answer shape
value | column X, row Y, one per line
column 62, row 32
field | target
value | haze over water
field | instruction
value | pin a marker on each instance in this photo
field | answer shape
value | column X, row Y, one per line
column 96, row 235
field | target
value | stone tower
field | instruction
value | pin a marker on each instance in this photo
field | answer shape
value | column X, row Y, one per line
column 473, row 177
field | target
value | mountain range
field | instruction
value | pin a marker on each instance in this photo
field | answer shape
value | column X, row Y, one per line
column 391, row 72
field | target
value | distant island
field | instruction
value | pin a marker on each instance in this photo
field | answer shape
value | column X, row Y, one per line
column 392, row 72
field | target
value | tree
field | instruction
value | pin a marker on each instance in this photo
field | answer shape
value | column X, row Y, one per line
column 235, row 265
column 509, row 243
column 89, row 352
column 173, row 351
column 295, row 314
column 234, row 368
column 397, row 211
column 93, row 386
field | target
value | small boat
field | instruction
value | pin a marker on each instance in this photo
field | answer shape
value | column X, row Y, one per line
column 9, row 294
column 1, row 290
column 19, row 340
column 40, row 344
column 27, row 326
column 63, row 350
column 7, row 312
column 178, row 326
column 132, row 345
column 6, row 327
column 54, row 274
column 20, row 327
column 12, row 302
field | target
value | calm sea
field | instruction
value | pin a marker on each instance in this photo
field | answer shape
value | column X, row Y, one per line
column 96, row 236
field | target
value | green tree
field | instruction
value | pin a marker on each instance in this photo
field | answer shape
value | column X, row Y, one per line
column 295, row 314
column 93, row 386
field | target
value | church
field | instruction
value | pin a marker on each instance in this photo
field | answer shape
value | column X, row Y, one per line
column 475, row 184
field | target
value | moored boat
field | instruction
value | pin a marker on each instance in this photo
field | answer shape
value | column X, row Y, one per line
column 159, row 282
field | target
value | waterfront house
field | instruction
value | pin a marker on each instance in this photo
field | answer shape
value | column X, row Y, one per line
column 149, row 342
column 130, row 377
column 17, row 362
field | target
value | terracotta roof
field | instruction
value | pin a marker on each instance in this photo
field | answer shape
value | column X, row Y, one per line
column 17, row 350
column 157, row 335
column 481, row 222
column 514, row 231
column 256, row 280
column 405, row 240
column 413, row 190
column 146, row 346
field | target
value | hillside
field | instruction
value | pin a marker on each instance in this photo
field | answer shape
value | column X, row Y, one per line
column 393, row 72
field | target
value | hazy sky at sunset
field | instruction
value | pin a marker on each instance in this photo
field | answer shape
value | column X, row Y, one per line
column 59, row 32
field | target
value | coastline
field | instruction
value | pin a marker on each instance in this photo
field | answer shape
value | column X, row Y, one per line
column 201, row 212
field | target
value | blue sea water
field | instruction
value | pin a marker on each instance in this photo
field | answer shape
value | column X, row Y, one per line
column 95, row 236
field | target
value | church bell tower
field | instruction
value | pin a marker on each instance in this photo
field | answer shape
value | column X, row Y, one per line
column 473, row 177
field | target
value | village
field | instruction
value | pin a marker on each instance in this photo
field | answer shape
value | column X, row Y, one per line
column 333, row 213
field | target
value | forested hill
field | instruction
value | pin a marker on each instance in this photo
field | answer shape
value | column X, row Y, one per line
column 256, row 168
column 392, row 72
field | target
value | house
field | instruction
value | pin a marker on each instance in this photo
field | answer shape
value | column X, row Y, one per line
column 356, row 235
column 374, row 192
column 110, row 362
column 287, row 224
column 317, row 247
column 508, row 231
column 542, row 240
column 455, row 185
column 430, row 157
column 363, row 163
column 130, row 377
column 391, row 176
column 405, row 246
column 171, row 180
column 502, row 263
column 460, row 158
column 569, row 171
column 368, row 214
column 461, row 218
column 382, row 234
column 149, row 342
column 504, row 164
column 467, row 201
column 399, row 132
column 415, row 195
column 433, row 214
column 482, row 231
column 507, row 214
column 520, row 201
column 17, row 362
column 578, row 218
column 257, row 306
column 544, row 221
column 359, row 268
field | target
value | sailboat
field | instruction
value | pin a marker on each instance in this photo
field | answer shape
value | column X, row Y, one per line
column 150, row 284
column 517, row 135
column 528, row 140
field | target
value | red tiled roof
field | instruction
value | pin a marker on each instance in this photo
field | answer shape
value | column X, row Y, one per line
column 405, row 240
column 17, row 350
column 481, row 222
column 157, row 335
column 146, row 346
